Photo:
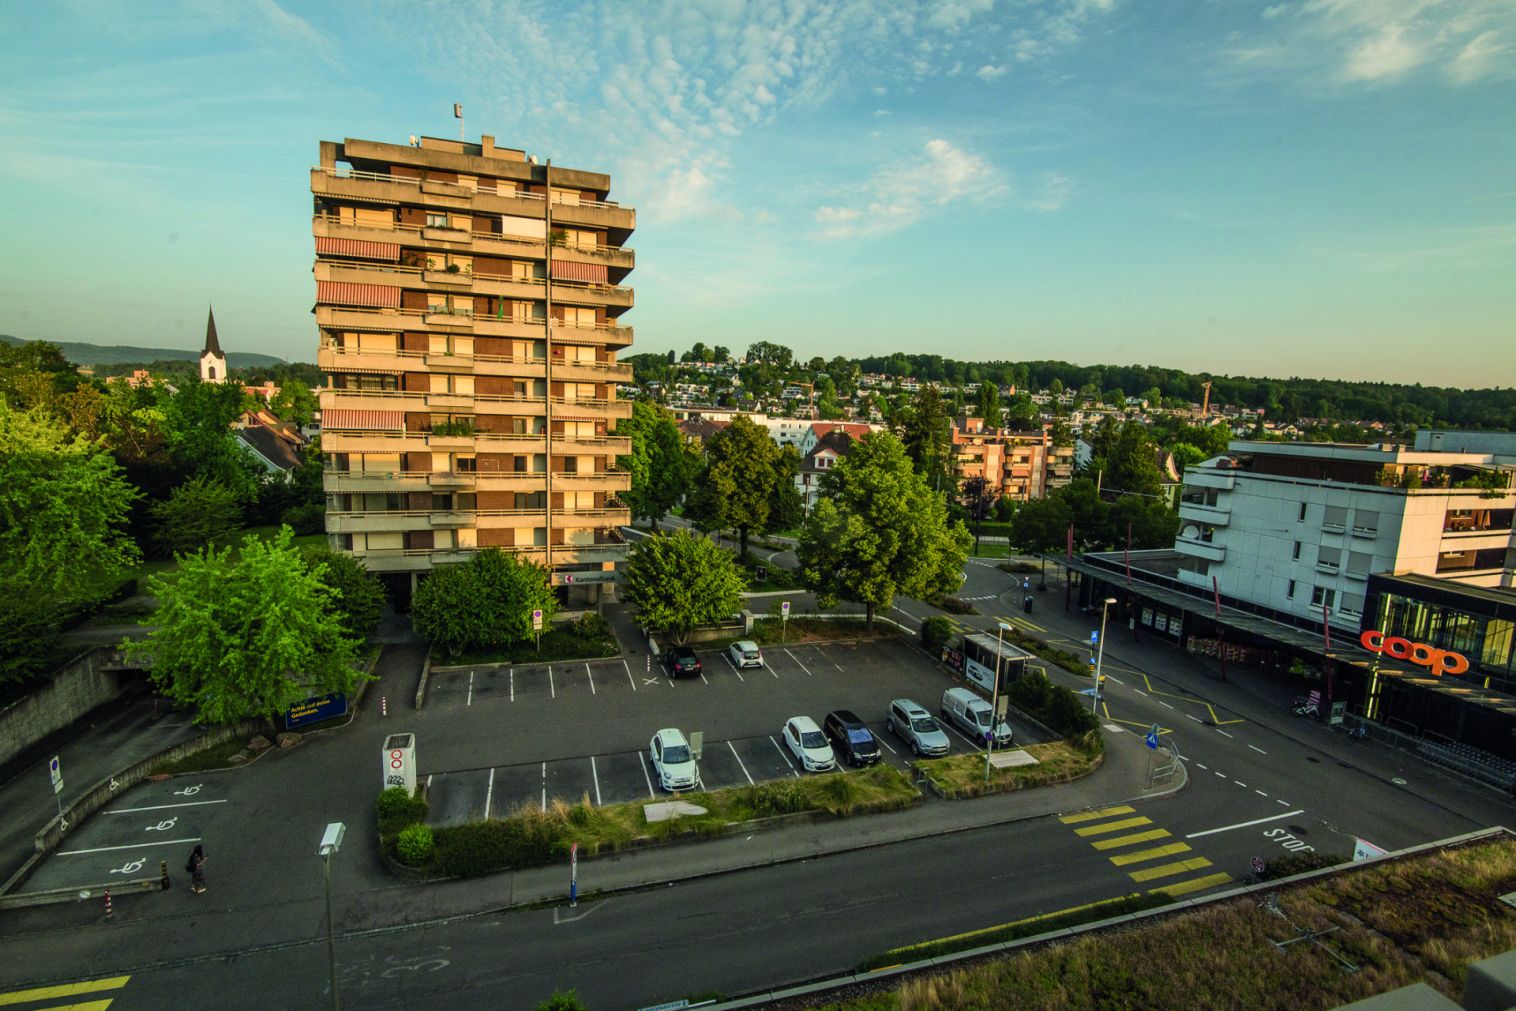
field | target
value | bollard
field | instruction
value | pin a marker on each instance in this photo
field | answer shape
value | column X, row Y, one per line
column 163, row 870
column 108, row 913
column 384, row 706
column 650, row 663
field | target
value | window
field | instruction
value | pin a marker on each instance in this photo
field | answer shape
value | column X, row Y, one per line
column 1366, row 521
column 1291, row 592
column 1296, row 554
column 1323, row 596
column 1352, row 603
column 466, row 464
column 1336, row 518
column 1302, row 512
column 1359, row 563
column 435, row 219
column 518, row 464
column 1328, row 558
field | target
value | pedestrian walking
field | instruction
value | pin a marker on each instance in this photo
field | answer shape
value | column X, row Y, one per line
column 196, row 868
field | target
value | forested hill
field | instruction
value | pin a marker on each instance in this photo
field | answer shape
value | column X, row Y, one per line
column 80, row 353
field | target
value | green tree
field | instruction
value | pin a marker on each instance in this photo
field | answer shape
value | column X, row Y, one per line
column 486, row 602
column 786, row 507
column 659, row 463
column 1187, row 455
column 926, row 437
column 295, row 402
column 1152, row 523
column 197, row 426
column 989, row 405
column 246, row 635
column 359, row 593
column 195, row 514
column 679, row 581
column 878, row 530
column 1127, row 455
column 736, row 485
column 443, row 610
column 35, row 374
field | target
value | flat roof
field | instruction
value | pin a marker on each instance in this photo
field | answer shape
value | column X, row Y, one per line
column 1007, row 650
column 1490, row 594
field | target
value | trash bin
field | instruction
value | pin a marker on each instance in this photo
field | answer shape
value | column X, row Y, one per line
column 1026, row 603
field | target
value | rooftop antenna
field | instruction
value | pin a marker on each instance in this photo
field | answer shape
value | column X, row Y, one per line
column 458, row 115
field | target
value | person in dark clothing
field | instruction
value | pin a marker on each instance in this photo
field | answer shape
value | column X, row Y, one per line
column 196, row 868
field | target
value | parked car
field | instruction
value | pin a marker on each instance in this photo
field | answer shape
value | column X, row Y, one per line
column 973, row 715
column 745, row 654
column 915, row 726
column 682, row 660
column 808, row 744
column 850, row 738
column 673, row 761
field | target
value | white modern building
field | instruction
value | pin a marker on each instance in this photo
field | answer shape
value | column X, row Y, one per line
column 1296, row 527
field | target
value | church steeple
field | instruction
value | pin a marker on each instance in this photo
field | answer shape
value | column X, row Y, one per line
column 212, row 361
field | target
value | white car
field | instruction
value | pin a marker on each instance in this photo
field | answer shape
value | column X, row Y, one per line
column 808, row 744
column 745, row 654
column 673, row 761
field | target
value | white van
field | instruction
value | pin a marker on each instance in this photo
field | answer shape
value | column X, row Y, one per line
column 973, row 715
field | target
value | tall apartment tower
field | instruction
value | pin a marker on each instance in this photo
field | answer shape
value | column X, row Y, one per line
column 468, row 300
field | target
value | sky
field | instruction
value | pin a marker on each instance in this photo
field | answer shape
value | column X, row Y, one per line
column 1303, row 188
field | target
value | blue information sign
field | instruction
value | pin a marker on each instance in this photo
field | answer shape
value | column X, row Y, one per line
column 322, row 707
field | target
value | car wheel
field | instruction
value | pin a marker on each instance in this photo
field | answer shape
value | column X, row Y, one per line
column 889, row 725
column 915, row 750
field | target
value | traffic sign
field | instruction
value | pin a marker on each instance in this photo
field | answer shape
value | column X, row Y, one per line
column 1094, row 637
column 1257, row 863
column 55, row 772
column 1152, row 737
column 784, row 608
column 537, row 619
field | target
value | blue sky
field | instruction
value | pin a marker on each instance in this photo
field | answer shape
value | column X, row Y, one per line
column 1313, row 187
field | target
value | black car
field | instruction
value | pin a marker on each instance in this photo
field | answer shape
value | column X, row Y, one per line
column 681, row 661
column 853, row 740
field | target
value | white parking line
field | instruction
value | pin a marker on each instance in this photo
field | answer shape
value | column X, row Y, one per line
column 513, row 684
column 1116, row 679
column 629, row 674
column 470, row 700
column 544, row 786
column 1244, row 824
column 1258, row 749
column 489, row 795
column 589, row 674
column 787, row 763
column 702, row 674
column 1139, row 691
column 552, row 691
column 1205, row 767
column 160, row 807
column 1221, row 774
column 729, row 744
column 645, row 776
column 960, row 736
column 838, row 666
column 133, row 846
column 596, row 776
column 1240, row 783
column 886, row 744
column 1285, row 803
column 797, row 660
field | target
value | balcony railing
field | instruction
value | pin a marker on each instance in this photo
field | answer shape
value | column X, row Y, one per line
column 333, row 348
column 515, row 240
column 471, row 316
column 345, row 172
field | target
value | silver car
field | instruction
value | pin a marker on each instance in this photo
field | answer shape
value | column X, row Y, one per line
column 915, row 726
column 745, row 653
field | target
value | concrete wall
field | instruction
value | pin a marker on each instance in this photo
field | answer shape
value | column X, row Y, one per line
column 78, row 687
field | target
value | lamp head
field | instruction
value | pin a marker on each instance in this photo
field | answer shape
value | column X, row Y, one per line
column 1109, row 601
column 331, row 839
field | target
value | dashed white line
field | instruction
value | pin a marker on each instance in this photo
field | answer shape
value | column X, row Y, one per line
column 1260, row 793
column 1163, row 703
column 1221, row 774
column 551, row 690
column 596, row 776
column 1206, row 768
column 1139, row 691
column 1240, row 783
column 739, row 763
column 1193, row 717
column 590, row 674
column 1223, row 733
column 470, row 700
column 1284, row 803
column 838, row 666
column 544, row 786
column 629, row 674
column 513, row 684
column 1112, row 677
column 489, row 795
column 1258, row 749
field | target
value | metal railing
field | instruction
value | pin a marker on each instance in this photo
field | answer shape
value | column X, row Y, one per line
column 517, row 240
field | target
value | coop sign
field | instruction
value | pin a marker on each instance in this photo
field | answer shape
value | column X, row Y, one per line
column 1438, row 661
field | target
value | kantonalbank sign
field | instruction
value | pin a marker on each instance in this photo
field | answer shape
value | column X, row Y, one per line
column 1438, row 661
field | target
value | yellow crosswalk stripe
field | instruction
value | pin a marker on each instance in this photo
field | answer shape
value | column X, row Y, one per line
column 1112, row 826
column 1105, row 812
column 1122, row 859
column 1130, row 840
column 1169, row 870
column 64, row 990
column 1193, row 885
column 89, row 1005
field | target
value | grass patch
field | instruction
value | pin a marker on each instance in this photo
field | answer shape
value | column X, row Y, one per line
column 768, row 631
column 1423, row 919
column 217, row 756
column 963, row 775
column 774, row 577
column 530, row 836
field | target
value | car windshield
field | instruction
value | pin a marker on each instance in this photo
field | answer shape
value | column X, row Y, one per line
column 750, row 654
column 858, row 735
column 676, row 755
column 923, row 724
column 812, row 739
column 688, row 658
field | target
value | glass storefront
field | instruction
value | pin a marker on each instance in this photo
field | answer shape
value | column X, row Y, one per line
column 1477, row 622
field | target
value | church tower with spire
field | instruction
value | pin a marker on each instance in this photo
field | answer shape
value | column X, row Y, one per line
column 212, row 361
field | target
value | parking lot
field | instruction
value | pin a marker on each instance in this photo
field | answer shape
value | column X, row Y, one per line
column 503, row 738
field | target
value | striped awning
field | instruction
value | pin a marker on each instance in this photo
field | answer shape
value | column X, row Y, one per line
column 345, row 418
column 569, row 270
column 345, row 293
column 358, row 247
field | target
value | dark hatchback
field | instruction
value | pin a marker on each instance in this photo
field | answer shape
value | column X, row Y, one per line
column 854, row 742
column 683, row 661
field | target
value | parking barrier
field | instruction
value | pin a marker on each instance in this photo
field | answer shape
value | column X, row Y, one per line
column 384, row 705
column 108, row 914
column 163, row 874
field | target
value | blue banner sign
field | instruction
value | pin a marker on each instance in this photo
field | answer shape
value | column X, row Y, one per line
column 322, row 707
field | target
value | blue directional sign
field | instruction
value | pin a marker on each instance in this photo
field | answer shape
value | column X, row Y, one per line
column 1152, row 737
column 1094, row 637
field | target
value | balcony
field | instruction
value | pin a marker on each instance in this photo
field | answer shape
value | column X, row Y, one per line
column 608, row 480
column 448, row 320
column 451, row 479
column 609, row 334
column 374, row 521
column 450, row 442
column 373, row 400
column 591, row 372
column 410, row 559
column 374, row 480
column 1198, row 513
column 450, row 401
column 453, row 280
column 1196, row 548
column 512, row 480
column 450, row 518
column 510, row 287
column 510, row 519
column 357, row 441
column 1209, row 477
column 519, row 247
column 592, row 293
column 603, row 445
column 606, row 410
column 570, row 554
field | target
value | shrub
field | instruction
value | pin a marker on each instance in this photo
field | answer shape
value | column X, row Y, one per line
column 953, row 605
column 528, row 838
column 563, row 1000
column 592, row 626
column 414, row 846
column 309, row 518
column 397, row 809
column 935, row 632
column 783, row 796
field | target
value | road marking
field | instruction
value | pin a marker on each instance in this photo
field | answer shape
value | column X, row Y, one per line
column 544, row 786
column 1169, row 870
column 1114, row 826
column 590, row 674
column 739, row 763
column 1139, row 691
column 645, row 776
column 881, row 740
column 1245, row 824
column 797, row 660
column 1240, row 783
column 489, row 795
column 1137, row 856
column 1117, row 842
column 596, row 776
column 1163, row 703
column 1284, row 803
column 958, row 735
column 1221, row 774
column 133, row 846
column 787, row 763
column 839, row 667
column 1223, row 733
column 470, row 700
column 1185, row 887
column 1205, row 767
column 1112, row 677
column 702, row 674
column 513, row 684
column 629, row 674
column 1258, row 749
column 160, row 807
column 65, row 990
column 1260, row 793
column 551, row 690
column 1193, row 717
column 1105, row 812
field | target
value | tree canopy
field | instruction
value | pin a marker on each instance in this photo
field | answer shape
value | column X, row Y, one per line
column 736, row 487
column 660, row 464
column 680, row 581
column 486, row 602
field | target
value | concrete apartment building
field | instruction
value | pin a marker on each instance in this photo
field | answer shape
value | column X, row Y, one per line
column 1018, row 465
column 469, row 300
column 1295, row 527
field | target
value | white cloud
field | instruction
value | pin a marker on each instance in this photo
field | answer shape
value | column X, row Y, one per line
column 1270, row 13
column 1052, row 193
column 900, row 195
column 1483, row 56
column 989, row 72
column 1389, row 53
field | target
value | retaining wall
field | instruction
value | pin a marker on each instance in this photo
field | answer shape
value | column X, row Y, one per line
column 79, row 686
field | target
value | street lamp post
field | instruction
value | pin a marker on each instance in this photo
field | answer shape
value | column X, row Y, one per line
column 331, row 842
column 989, row 746
column 1100, row 655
